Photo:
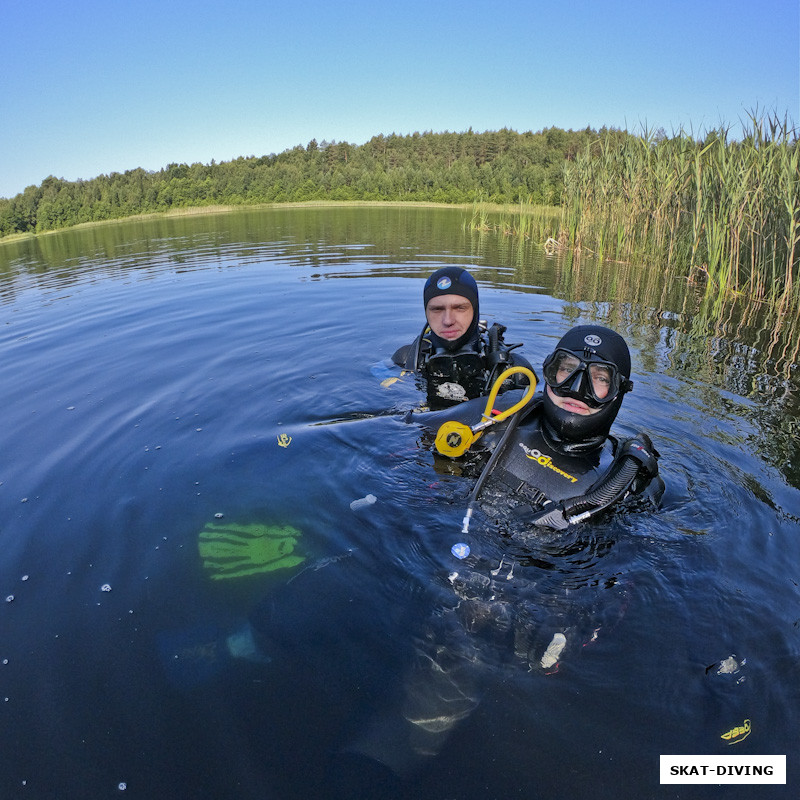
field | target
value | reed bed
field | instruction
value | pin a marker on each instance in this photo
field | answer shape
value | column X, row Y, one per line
column 720, row 211
column 524, row 220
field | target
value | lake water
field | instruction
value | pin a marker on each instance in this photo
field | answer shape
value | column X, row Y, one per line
column 160, row 377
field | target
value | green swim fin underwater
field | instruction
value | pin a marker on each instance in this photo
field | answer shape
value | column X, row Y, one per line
column 193, row 656
column 231, row 550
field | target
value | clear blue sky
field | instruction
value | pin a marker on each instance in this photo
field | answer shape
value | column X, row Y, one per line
column 97, row 86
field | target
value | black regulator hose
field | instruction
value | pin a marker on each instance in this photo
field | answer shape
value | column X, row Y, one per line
column 637, row 455
column 618, row 481
column 490, row 465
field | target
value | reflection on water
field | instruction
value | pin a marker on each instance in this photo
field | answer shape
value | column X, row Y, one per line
column 168, row 377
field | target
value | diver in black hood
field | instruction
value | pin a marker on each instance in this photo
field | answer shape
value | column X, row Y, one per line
column 551, row 465
column 587, row 376
column 559, row 461
column 458, row 357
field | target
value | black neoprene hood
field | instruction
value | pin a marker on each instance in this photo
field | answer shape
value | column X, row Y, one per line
column 453, row 280
column 589, row 342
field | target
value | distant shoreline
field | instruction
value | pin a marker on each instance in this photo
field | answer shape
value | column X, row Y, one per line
column 196, row 211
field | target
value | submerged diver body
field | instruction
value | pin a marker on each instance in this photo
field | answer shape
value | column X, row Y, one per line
column 458, row 358
column 553, row 466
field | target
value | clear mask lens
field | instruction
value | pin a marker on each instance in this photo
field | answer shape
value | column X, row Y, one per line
column 593, row 382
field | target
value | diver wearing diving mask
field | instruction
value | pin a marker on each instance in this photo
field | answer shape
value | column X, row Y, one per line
column 551, row 465
column 586, row 378
column 562, row 454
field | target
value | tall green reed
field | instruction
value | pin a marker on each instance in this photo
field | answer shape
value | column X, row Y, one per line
column 724, row 211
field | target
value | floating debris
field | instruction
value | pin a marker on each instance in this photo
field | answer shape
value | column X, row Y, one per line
column 738, row 733
column 730, row 665
column 363, row 502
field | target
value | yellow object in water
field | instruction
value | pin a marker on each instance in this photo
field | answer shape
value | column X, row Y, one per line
column 234, row 551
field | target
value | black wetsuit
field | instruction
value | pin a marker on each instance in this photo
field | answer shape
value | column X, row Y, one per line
column 536, row 471
column 539, row 472
column 469, row 372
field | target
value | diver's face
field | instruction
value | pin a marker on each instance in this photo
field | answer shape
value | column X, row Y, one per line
column 570, row 404
column 569, row 379
column 449, row 316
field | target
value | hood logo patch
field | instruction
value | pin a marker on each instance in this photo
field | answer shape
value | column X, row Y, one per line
column 444, row 283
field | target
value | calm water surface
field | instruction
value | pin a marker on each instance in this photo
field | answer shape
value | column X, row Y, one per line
column 155, row 375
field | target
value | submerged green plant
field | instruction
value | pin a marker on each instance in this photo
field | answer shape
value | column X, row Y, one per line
column 234, row 551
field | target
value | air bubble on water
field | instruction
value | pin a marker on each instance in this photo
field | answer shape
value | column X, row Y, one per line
column 106, row 587
column 218, row 515
column 122, row 786
column 10, row 598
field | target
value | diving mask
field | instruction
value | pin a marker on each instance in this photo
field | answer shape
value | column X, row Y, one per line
column 584, row 377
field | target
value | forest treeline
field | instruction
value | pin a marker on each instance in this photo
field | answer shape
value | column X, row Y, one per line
column 722, row 210
column 497, row 166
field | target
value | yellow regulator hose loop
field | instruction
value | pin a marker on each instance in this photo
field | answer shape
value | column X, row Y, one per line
column 454, row 438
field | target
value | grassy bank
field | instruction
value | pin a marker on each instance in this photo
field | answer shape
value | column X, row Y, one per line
column 195, row 211
column 718, row 212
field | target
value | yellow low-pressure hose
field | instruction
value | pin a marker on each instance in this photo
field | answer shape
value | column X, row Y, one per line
column 487, row 413
column 453, row 438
